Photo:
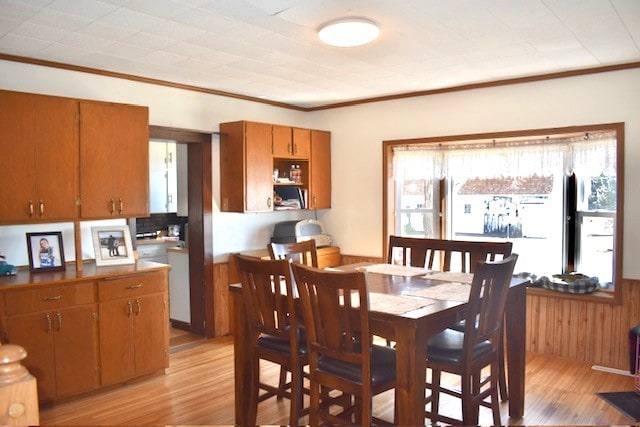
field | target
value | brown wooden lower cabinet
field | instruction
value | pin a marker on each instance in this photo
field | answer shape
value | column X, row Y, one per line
column 82, row 332
column 61, row 348
column 134, row 325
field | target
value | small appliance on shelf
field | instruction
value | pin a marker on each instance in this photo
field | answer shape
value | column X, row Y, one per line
column 297, row 231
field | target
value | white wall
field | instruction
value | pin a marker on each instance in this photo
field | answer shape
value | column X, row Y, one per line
column 357, row 133
column 355, row 220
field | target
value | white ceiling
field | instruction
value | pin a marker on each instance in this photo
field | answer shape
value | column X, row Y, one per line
column 269, row 48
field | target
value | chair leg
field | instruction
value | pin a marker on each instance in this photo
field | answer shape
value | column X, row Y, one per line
column 469, row 383
column 495, row 403
column 283, row 382
column 252, row 414
column 502, row 375
column 296, row 397
column 435, row 394
column 314, row 404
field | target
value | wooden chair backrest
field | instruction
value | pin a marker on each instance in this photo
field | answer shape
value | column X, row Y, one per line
column 335, row 312
column 304, row 252
column 267, row 295
column 487, row 300
column 422, row 252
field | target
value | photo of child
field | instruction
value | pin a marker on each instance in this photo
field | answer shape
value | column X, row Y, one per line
column 47, row 259
column 45, row 251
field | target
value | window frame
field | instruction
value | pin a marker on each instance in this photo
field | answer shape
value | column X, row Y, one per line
column 389, row 202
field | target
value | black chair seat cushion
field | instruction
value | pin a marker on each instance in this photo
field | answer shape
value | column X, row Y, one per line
column 281, row 346
column 446, row 347
column 383, row 366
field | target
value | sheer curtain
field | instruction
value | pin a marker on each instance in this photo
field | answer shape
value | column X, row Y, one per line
column 591, row 154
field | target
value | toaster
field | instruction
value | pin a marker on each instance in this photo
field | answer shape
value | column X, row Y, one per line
column 297, row 231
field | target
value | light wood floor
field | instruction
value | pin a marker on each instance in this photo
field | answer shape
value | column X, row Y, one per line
column 198, row 390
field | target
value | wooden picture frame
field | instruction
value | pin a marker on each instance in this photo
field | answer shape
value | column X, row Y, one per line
column 112, row 245
column 45, row 251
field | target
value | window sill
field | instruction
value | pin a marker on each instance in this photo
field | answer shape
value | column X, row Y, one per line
column 602, row 297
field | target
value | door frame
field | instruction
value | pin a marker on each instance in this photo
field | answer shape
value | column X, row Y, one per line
column 200, row 224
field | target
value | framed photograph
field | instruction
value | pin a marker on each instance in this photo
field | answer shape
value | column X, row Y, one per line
column 45, row 251
column 112, row 245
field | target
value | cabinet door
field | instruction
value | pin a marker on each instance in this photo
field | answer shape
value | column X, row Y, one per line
column 320, row 170
column 157, row 177
column 17, row 173
column 291, row 143
column 301, row 143
column 282, row 141
column 57, row 160
column 34, row 332
column 258, row 168
column 114, row 160
column 76, row 354
column 151, row 333
column 172, row 177
column 116, row 341
column 40, row 177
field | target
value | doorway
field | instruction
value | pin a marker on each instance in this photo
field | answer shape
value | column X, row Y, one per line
column 199, row 178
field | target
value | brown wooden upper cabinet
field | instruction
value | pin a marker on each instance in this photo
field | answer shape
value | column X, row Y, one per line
column 39, row 140
column 246, row 167
column 72, row 159
column 250, row 153
column 114, row 160
column 320, row 170
column 291, row 143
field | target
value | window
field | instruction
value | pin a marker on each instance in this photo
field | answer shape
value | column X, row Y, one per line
column 554, row 193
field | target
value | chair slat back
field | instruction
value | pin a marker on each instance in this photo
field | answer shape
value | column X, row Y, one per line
column 266, row 291
column 442, row 254
column 487, row 299
column 304, row 252
column 334, row 309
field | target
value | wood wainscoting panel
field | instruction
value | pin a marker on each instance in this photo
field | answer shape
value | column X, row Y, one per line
column 584, row 330
column 354, row 259
column 221, row 298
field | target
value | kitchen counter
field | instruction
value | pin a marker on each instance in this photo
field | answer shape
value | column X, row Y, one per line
column 155, row 249
column 157, row 240
column 178, row 249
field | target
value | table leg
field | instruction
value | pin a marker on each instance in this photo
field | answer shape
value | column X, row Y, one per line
column 411, row 347
column 515, row 322
column 241, row 358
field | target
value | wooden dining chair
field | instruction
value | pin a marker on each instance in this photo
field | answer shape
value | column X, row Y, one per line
column 267, row 292
column 304, row 252
column 335, row 311
column 409, row 251
column 440, row 254
column 468, row 352
column 447, row 255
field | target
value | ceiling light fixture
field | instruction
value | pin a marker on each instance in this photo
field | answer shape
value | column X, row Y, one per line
column 349, row 32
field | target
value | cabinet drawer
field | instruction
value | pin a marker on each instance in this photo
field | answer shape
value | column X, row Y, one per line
column 49, row 298
column 128, row 286
column 329, row 256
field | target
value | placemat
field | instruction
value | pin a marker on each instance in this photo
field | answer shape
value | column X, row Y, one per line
column 392, row 304
column 394, row 270
column 451, row 291
column 395, row 304
column 450, row 276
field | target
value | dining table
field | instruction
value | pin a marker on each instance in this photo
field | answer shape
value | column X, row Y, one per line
column 408, row 305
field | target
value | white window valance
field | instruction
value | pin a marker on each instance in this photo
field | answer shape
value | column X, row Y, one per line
column 591, row 154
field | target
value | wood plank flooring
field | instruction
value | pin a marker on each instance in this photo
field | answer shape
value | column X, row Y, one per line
column 198, row 390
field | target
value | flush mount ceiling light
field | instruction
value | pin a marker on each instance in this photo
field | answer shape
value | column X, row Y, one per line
column 349, row 32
